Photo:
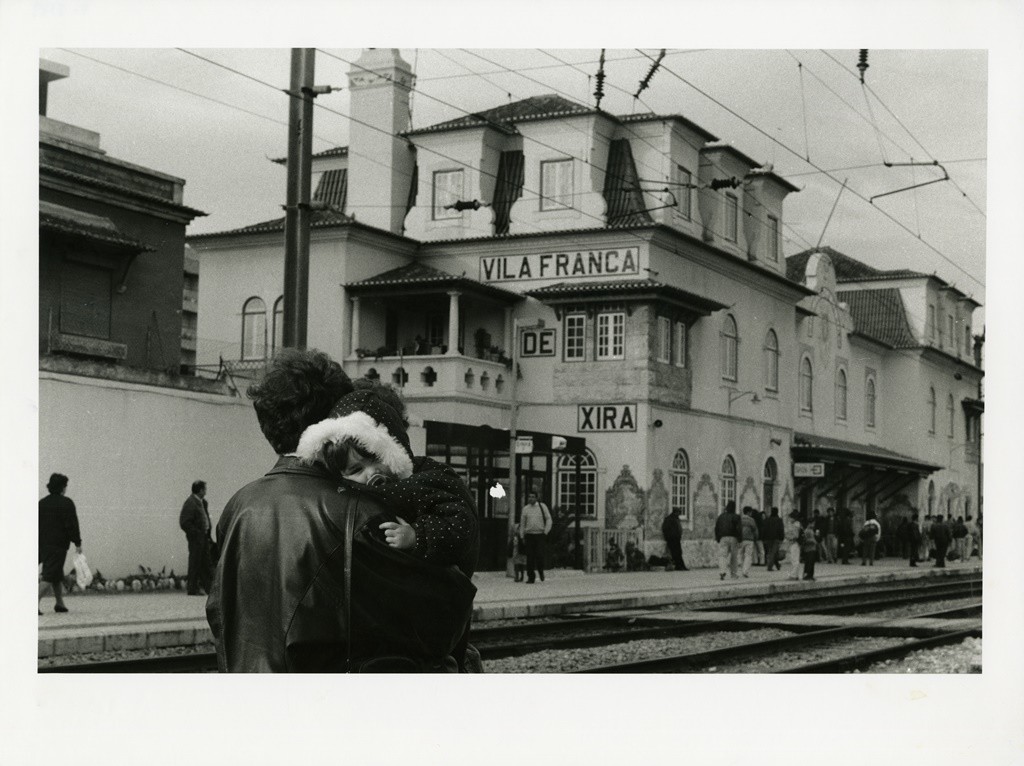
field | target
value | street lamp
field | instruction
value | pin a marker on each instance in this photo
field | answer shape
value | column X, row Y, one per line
column 734, row 395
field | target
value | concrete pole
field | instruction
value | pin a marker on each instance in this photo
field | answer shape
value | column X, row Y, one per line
column 354, row 326
column 296, row 223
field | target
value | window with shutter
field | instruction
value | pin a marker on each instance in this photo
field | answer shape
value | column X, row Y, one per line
column 85, row 300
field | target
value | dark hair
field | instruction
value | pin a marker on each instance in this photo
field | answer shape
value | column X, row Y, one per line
column 298, row 390
column 198, row 485
column 730, row 507
column 386, row 394
column 335, row 455
column 58, row 483
column 775, row 510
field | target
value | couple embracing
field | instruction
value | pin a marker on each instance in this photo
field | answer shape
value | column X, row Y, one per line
column 351, row 554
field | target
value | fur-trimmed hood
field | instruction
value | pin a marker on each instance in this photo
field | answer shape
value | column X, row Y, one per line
column 365, row 419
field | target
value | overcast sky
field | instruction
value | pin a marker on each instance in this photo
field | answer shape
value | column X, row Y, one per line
column 215, row 116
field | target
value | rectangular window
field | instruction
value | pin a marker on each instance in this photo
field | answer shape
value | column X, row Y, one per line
column 447, row 191
column 967, row 341
column 680, row 349
column 932, row 329
column 773, row 239
column 732, row 218
column 684, row 180
column 575, row 330
column 664, row 349
column 611, row 335
column 556, row 185
column 949, row 327
column 588, row 491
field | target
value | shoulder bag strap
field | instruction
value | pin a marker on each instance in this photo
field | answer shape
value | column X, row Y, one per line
column 350, row 523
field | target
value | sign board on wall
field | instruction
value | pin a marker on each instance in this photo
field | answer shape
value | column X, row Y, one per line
column 537, row 342
column 605, row 417
column 524, row 445
column 577, row 264
column 808, row 470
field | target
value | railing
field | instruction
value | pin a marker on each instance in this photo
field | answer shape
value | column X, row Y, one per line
column 597, row 545
column 428, row 375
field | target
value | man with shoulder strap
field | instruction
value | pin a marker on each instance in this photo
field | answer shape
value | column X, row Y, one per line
column 534, row 524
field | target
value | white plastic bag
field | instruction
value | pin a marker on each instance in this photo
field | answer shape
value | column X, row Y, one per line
column 83, row 575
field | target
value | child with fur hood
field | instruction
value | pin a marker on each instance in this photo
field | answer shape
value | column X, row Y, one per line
column 364, row 442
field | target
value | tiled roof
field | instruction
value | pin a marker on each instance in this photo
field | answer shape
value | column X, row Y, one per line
column 847, row 269
column 319, row 219
column 419, row 274
column 332, row 188
column 65, row 220
column 334, row 151
column 810, row 445
column 624, row 287
column 879, row 314
column 652, row 117
column 505, row 117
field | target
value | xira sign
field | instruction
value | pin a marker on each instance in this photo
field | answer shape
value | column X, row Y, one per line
column 605, row 417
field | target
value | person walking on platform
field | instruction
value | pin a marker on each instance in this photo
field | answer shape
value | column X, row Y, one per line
column 844, row 531
column 748, row 536
column 941, row 538
column 913, row 533
column 961, row 538
column 925, row 551
column 773, row 535
column 869, row 534
column 194, row 521
column 794, row 537
column 728, row 530
column 534, row 525
column 58, row 527
column 809, row 551
column 831, row 535
column 672, row 531
column 759, row 554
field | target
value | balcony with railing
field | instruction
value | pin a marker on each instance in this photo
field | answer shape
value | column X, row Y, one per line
column 430, row 376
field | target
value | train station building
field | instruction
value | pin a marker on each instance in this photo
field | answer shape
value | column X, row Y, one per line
column 617, row 282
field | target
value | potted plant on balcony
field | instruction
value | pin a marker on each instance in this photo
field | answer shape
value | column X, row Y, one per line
column 482, row 341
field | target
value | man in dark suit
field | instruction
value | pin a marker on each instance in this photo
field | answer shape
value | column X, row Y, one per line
column 195, row 523
column 941, row 538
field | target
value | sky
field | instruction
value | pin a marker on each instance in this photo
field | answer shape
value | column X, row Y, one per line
column 215, row 117
column 951, row 71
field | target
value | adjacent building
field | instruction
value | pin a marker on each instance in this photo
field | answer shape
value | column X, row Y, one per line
column 666, row 354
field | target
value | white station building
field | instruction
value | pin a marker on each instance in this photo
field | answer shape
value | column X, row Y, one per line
column 633, row 267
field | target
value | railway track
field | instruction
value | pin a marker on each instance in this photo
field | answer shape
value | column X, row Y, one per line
column 586, row 631
column 696, row 662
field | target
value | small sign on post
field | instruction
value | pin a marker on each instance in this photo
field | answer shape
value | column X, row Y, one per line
column 808, row 470
column 524, row 445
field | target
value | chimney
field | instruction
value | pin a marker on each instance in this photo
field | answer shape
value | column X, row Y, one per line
column 380, row 162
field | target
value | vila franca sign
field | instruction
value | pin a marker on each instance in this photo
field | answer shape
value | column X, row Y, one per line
column 583, row 263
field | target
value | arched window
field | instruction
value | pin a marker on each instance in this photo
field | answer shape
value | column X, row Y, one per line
column 771, row 361
column 680, row 479
column 841, row 394
column 771, row 472
column 254, row 329
column 931, row 410
column 278, row 336
column 951, row 414
column 806, row 386
column 728, row 480
column 730, row 343
column 869, row 403
column 565, row 483
column 931, row 498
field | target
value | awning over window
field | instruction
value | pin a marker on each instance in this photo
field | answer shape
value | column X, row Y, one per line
column 93, row 228
column 627, row 290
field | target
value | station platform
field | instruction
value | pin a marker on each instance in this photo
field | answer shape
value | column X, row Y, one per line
column 99, row 622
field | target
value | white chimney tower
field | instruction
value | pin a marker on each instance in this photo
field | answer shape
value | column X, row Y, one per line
column 380, row 164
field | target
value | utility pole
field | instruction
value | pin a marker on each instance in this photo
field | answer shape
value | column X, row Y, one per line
column 296, row 221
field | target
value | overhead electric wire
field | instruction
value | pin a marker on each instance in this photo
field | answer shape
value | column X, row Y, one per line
column 905, row 128
column 760, row 130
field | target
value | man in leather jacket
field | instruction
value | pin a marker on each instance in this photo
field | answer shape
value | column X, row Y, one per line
column 286, row 595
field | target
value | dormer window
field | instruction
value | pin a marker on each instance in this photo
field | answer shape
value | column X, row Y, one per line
column 732, row 218
column 556, row 185
column 448, row 188
column 773, row 239
column 684, row 180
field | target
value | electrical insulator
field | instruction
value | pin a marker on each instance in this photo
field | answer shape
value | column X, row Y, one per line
column 724, row 183
column 862, row 63
column 599, row 91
